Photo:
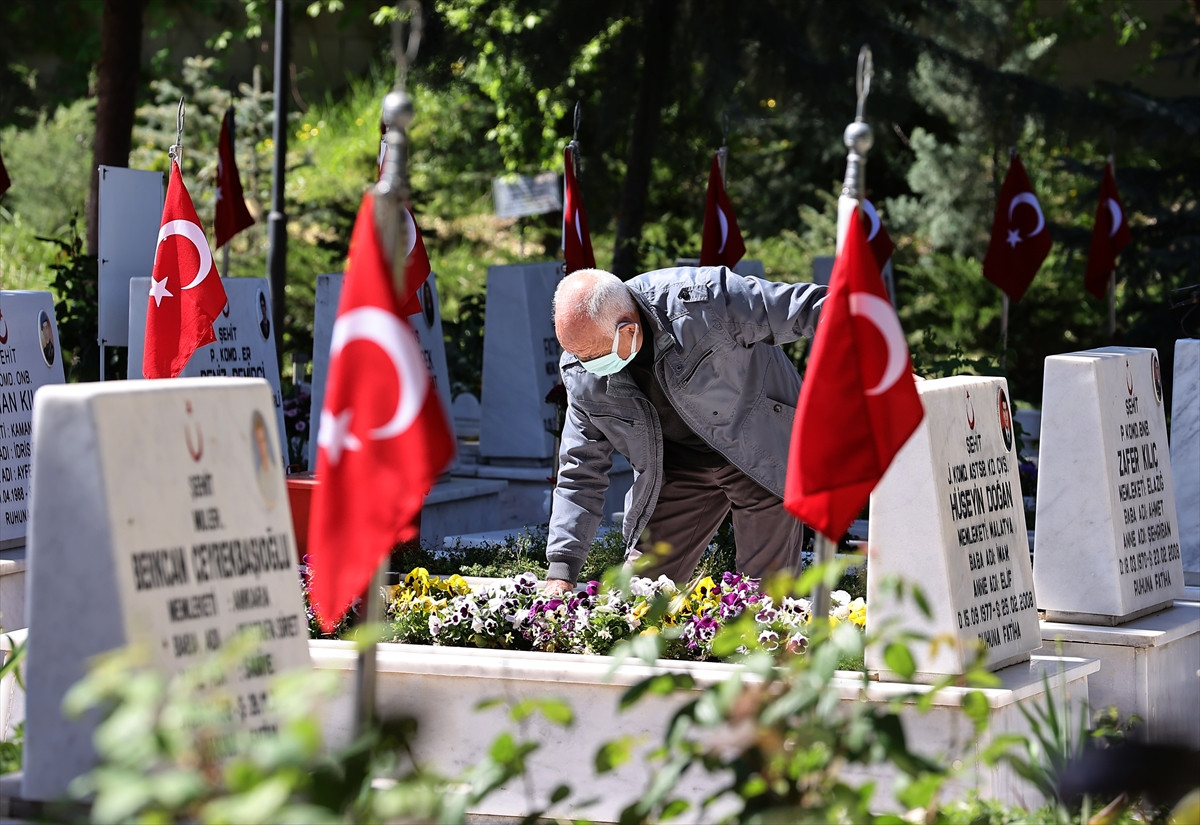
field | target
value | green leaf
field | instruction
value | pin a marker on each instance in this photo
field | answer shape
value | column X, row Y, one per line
column 613, row 754
column 977, row 708
column 899, row 660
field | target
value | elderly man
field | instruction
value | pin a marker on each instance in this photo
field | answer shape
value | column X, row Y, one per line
column 679, row 370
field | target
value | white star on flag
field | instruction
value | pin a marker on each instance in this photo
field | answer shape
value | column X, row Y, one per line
column 335, row 434
column 158, row 290
column 1014, row 237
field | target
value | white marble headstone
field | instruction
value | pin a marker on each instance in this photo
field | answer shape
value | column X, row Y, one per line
column 245, row 345
column 1185, row 453
column 520, row 364
column 427, row 325
column 26, row 364
column 1106, row 543
column 160, row 518
column 948, row 518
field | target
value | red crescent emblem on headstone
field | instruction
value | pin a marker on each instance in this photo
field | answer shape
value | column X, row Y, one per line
column 970, row 411
column 197, row 451
column 1128, row 377
column 3, row 335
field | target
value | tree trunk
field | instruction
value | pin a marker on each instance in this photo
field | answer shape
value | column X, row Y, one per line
column 116, row 96
column 657, row 34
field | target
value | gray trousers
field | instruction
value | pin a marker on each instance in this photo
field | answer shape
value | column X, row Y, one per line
column 691, row 506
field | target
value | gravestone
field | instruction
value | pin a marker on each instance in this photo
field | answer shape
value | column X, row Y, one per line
column 1185, row 453
column 159, row 518
column 518, row 426
column 245, row 345
column 128, row 221
column 30, row 358
column 427, row 324
column 1106, row 532
column 948, row 517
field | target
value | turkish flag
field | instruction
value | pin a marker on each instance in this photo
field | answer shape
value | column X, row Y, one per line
column 877, row 237
column 416, row 266
column 720, row 240
column 1110, row 234
column 384, row 437
column 1020, row 237
column 5, row 182
column 858, row 403
column 186, row 294
column 576, row 242
column 232, row 216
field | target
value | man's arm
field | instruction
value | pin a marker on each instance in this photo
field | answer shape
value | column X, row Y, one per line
column 584, row 459
column 771, row 311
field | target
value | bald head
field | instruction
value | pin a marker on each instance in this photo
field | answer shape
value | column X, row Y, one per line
column 588, row 306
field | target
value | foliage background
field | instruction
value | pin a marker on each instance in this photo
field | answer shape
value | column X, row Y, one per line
column 660, row 85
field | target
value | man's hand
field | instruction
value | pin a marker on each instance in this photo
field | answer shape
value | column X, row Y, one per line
column 558, row 587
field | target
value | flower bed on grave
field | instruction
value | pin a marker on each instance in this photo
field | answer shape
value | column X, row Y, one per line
column 514, row 614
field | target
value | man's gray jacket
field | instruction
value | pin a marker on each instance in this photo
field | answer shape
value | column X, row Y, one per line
column 716, row 337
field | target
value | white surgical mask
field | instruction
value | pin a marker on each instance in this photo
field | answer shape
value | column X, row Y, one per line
column 610, row 363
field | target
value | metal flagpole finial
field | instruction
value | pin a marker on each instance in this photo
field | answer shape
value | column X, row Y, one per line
column 862, row 79
column 175, row 153
column 573, row 146
column 391, row 191
column 857, row 137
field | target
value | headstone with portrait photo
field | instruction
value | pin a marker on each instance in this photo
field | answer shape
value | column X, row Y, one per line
column 245, row 345
column 947, row 517
column 173, row 535
column 1185, row 453
column 30, row 358
column 427, row 324
column 1106, row 532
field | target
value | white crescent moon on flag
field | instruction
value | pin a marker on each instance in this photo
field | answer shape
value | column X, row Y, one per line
column 189, row 230
column 1031, row 199
column 400, row 345
column 880, row 313
column 722, row 222
column 412, row 233
column 1114, row 209
column 869, row 208
column 578, row 227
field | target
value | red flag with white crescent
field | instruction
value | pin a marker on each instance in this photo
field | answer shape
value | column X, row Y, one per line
column 860, row 376
column 416, row 266
column 1110, row 234
column 384, row 437
column 877, row 237
column 186, row 293
column 720, row 240
column 231, row 215
column 576, row 242
column 1020, row 238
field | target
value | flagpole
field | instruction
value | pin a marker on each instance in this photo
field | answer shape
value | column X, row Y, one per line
column 1112, row 279
column 391, row 225
column 1003, row 329
column 858, row 139
column 277, row 219
column 233, row 146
